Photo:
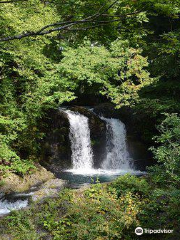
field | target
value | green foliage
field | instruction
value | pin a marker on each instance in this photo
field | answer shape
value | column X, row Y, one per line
column 27, row 89
column 95, row 213
column 134, row 62
column 161, row 211
column 130, row 183
column 118, row 72
column 99, row 212
column 168, row 151
column 114, row 59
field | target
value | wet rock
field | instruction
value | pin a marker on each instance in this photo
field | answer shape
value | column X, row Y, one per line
column 139, row 152
column 125, row 114
column 50, row 188
column 137, row 122
column 56, row 146
column 107, row 110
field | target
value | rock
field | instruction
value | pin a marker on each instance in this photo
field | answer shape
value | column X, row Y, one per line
column 50, row 188
column 107, row 110
column 56, row 154
column 139, row 152
column 125, row 114
column 56, row 146
column 137, row 122
column 15, row 183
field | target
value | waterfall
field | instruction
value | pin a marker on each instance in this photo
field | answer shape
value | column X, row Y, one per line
column 117, row 155
column 117, row 159
column 82, row 155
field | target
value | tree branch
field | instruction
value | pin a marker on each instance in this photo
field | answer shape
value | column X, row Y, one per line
column 13, row 1
column 67, row 25
column 87, row 28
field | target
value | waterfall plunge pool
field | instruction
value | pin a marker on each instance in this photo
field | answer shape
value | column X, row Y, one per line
column 78, row 178
column 116, row 163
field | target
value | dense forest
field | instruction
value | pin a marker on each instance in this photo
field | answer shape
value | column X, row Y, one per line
column 126, row 52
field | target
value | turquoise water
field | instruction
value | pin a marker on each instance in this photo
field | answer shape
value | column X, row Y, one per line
column 76, row 179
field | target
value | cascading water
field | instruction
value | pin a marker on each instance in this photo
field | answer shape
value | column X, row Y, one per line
column 82, row 155
column 6, row 207
column 117, row 161
column 13, row 201
column 117, row 155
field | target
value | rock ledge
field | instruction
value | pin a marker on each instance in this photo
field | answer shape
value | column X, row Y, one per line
column 14, row 183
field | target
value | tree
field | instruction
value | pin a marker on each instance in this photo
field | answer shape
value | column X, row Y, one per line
column 168, row 151
column 118, row 72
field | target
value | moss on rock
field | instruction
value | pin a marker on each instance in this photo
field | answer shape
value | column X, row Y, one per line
column 15, row 183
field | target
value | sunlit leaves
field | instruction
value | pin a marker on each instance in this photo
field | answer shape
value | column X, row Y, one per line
column 119, row 71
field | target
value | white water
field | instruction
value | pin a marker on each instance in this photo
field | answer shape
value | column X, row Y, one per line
column 117, row 157
column 82, row 155
column 104, row 172
column 6, row 206
column 117, row 161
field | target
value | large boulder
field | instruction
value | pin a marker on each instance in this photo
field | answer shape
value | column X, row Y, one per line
column 56, row 154
column 106, row 110
column 137, row 122
column 125, row 114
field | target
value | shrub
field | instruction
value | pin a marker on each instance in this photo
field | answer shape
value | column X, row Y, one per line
column 129, row 183
column 168, row 151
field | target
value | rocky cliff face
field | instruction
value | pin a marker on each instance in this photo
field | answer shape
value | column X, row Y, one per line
column 138, row 123
column 56, row 147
